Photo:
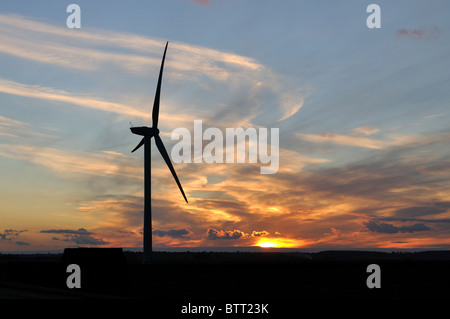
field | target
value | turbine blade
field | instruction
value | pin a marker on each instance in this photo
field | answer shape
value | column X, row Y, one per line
column 164, row 154
column 139, row 145
column 155, row 114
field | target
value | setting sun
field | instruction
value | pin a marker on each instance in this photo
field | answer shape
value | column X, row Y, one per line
column 276, row 243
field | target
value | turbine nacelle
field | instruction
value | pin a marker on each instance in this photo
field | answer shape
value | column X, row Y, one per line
column 144, row 131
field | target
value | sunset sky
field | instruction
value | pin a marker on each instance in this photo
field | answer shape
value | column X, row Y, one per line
column 363, row 117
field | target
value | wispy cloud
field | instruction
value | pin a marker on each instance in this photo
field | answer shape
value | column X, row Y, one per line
column 93, row 51
column 19, row 130
column 22, row 31
column 85, row 101
column 340, row 139
column 72, row 163
column 372, row 143
column 41, row 92
column 366, row 130
column 8, row 126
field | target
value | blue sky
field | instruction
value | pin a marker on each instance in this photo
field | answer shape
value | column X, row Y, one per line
column 363, row 117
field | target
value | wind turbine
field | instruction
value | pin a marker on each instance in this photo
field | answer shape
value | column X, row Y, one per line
column 148, row 133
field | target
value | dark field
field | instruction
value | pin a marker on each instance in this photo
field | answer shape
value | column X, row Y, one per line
column 286, row 281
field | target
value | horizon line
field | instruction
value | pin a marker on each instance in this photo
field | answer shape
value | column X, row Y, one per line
column 232, row 249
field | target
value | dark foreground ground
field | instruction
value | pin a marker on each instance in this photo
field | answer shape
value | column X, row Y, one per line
column 287, row 282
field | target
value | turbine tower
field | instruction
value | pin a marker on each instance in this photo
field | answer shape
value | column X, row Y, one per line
column 148, row 133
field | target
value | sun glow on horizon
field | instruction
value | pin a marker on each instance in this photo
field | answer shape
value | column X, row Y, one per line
column 277, row 243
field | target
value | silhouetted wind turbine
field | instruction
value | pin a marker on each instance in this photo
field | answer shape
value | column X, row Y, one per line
column 148, row 133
